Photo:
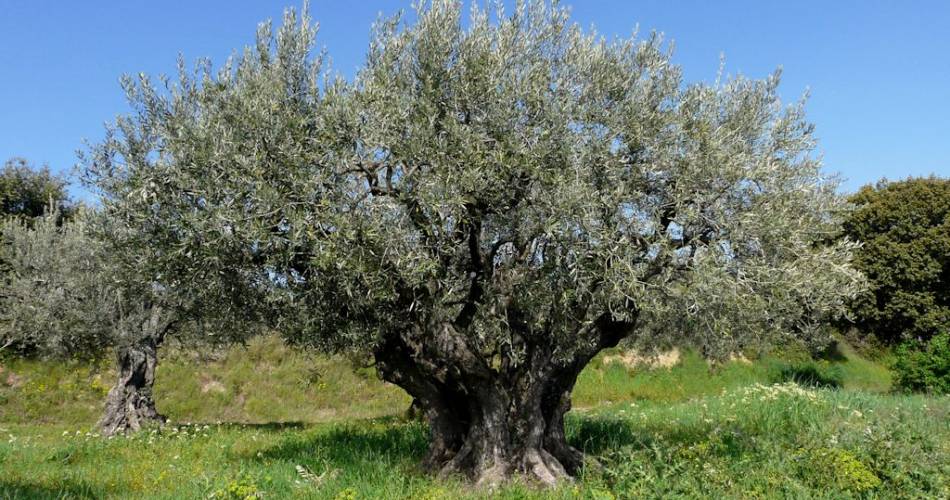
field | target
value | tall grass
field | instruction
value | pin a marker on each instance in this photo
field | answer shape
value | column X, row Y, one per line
column 308, row 427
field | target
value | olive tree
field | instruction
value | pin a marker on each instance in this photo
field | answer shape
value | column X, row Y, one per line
column 487, row 205
column 53, row 296
column 64, row 296
column 67, row 295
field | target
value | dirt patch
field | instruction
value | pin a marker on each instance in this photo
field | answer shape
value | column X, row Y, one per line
column 209, row 384
column 633, row 359
column 11, row 379
column 325, row 414
column 738, row 357
column 14, row 380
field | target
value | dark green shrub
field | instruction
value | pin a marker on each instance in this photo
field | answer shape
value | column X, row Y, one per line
column 810, row 373
column 905, row 231
column 924, row 368
column 27, row 191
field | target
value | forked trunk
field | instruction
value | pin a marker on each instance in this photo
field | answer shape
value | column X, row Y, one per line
column 495, row 424
column 130, row 405
column 487, row 420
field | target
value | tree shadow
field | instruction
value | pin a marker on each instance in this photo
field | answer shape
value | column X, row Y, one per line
column 594, row 435
column 601, row 435
column 810, row 374
column 832, row 352
column 15, row 490
column 374, row 442
column 261, row 426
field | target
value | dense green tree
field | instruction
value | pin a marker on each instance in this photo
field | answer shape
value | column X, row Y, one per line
column 29, row 192
column 487, row 206
column 904, row 227
column 924, row 367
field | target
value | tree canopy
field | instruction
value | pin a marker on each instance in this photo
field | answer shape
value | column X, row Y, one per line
column 55, row 299
column 66, row 294
column 485, row 207
column 904, row 227
column 29, row 192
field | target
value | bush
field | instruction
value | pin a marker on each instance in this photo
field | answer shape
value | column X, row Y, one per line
column 924, row 368
column 810, row 374
column 842, row 469
column 905, row 230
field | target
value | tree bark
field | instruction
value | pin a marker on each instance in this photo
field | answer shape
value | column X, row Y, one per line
column 489, row 424
column 130, row 405
column 505, row 436
column 490, row 432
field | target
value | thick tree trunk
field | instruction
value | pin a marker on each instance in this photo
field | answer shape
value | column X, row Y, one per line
column 506, row 433
column 129, row 405
column 555, row 403
column 490, row 423
column 491, row 429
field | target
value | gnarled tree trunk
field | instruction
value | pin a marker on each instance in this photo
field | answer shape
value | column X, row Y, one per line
column 130, row 405
column 486, row 423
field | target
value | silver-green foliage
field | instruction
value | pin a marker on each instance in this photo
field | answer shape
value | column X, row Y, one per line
column 511, row 175
column 64, row 294
column 56, row 298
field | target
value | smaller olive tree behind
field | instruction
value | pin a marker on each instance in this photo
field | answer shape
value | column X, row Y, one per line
column 54, row 298
column 64, row 297
column 27, row 192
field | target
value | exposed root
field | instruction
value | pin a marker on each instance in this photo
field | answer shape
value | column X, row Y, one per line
column 128, row 410
column 546, row 469
column 129, row 405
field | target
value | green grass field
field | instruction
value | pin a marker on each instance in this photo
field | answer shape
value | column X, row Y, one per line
column 269, row 422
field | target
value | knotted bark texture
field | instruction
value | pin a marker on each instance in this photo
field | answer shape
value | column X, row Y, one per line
column 488, row 423
column 130, row 404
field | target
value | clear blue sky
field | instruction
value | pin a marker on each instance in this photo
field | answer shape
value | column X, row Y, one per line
column 878, row 71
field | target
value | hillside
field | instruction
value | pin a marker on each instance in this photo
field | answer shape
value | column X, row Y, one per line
column 269, row 421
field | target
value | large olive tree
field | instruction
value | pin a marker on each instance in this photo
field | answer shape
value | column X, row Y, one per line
column 484, row 208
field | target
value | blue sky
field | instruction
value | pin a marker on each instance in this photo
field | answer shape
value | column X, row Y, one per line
column 878, row 71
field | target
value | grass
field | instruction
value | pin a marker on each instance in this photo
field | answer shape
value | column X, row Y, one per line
column 738, row 431
column 260, row 383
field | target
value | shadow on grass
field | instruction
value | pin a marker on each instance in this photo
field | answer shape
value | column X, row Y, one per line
column 811, row 374
column 594, row 435
column 392, row 443
column 15, row 490
column 602, row 435
column 355, row 445
column 833, row 352
column 265, row 426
